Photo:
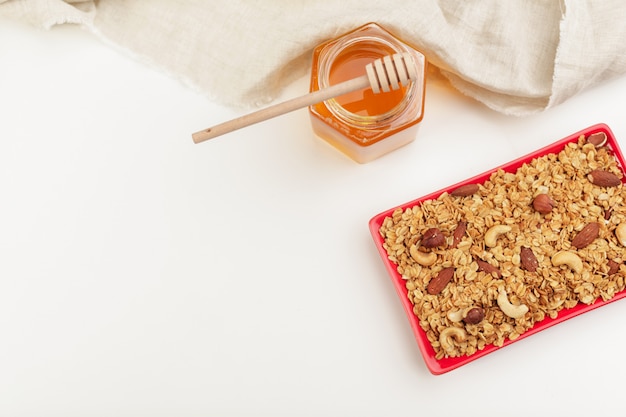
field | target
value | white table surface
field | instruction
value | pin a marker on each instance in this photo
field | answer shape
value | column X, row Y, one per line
column 143, row 275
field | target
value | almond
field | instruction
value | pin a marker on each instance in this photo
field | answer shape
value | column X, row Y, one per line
column 613, row 267
column 597, row 139
column 543, row 203
column 587, row 235
column 458, row 233
column 437, row 284
column 488, row 268
column 433, row 238
column 528, row 259
column 465, row 190
column 604, row 178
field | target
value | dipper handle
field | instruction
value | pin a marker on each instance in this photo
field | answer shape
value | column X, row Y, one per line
column 384, row 74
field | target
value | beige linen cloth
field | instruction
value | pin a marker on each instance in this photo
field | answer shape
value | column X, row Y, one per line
column 516, row 56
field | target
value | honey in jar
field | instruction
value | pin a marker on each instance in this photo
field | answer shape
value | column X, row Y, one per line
column 361, row 124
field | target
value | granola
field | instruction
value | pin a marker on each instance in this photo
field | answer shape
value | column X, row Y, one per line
column 483, row 272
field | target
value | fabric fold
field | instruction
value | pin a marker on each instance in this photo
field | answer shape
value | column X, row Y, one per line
column 517, row 57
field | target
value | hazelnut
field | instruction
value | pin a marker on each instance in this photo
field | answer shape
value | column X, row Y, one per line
column 474, row 315
column 543, row 203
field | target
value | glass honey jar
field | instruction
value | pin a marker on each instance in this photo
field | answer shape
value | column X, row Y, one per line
column 361, row 124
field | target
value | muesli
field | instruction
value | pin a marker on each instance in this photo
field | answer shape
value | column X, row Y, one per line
column 485, row 262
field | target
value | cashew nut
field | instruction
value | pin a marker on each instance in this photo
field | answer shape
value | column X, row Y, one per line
column 511, row 310
column 620, row 233
column 446, row 335
column 568, row 258
column 422, row 258
column 457, row 315
column 491, row 235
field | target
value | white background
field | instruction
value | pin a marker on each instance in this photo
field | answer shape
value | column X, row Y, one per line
column 143, row 275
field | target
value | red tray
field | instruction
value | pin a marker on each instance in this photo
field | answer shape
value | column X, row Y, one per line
column 444, row 365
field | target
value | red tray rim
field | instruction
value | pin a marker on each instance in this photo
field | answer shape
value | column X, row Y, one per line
column 438, row 367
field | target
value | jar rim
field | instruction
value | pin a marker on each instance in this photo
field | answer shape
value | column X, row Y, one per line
column 334, row 51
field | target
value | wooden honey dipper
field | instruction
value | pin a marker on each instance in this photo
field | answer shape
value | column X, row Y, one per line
column 384, row 74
